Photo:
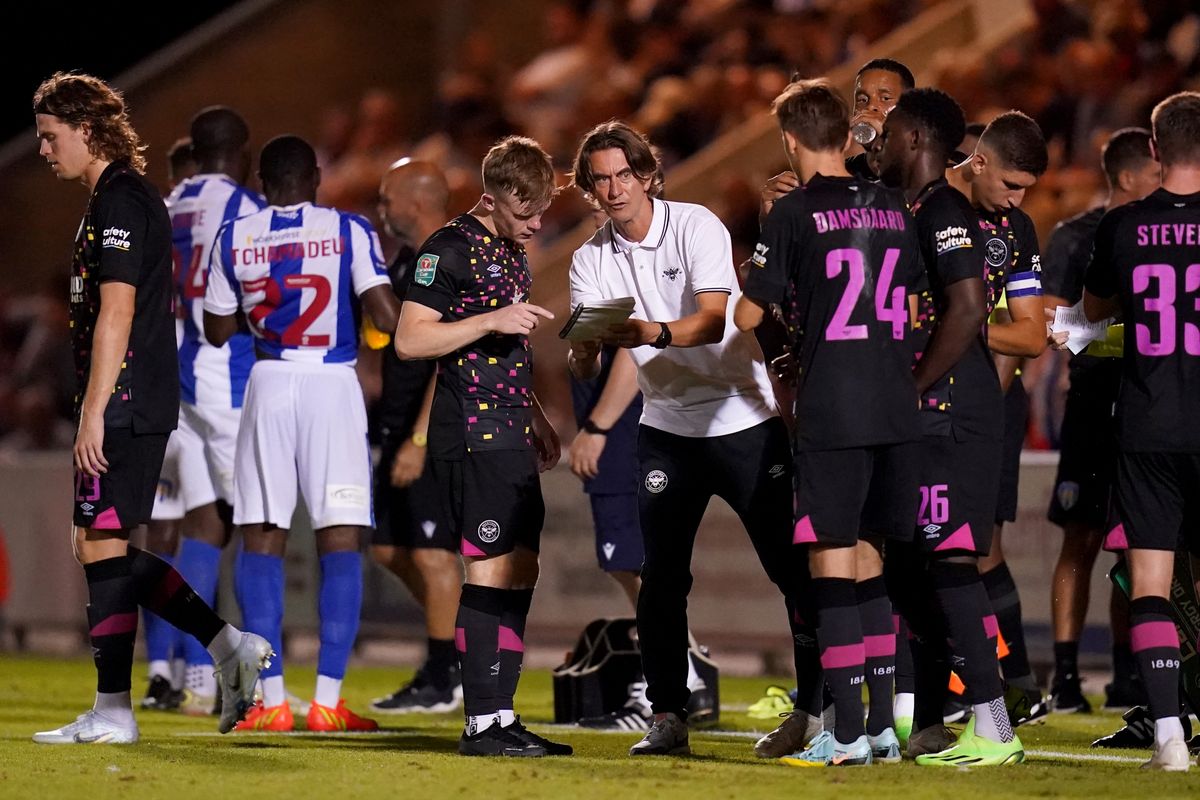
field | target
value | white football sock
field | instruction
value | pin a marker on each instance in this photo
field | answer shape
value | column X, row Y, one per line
column 507, row 717
column 159, row 668
column 118, row 706
column 1167, row 729
column 481, row 723
column 273, row 692
column 991, row 721
column 903, row 705
column 329, row 691
column 225, row 642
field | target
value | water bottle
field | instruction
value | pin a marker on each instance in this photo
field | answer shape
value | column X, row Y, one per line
column 864, row 133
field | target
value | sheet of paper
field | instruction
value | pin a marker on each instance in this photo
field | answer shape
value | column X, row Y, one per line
column 593, row 319
column 1082, row 333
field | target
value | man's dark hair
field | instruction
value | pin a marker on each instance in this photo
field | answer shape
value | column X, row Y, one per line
column 641, row 156
column 1128, row 148
column 889, row 65
column 1176, row 125
column 975, row 129
column 937, row 115
column 815, row 113
column 179, row 155
column 1018, row 142
column 287, row 161
column 217, row 131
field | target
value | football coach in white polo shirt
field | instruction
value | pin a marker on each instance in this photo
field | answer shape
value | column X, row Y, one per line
column 709, row 424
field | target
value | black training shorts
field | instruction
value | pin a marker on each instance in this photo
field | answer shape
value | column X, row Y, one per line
column 492, row 501
column 123, row 497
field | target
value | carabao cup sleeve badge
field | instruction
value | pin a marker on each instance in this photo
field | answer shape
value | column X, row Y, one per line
column 426, row 269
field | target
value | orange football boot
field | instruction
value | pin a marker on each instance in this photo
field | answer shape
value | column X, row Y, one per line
column 324, row 718
column 261, row 718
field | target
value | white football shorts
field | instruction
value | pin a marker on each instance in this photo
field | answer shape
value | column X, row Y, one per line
column 303, row 425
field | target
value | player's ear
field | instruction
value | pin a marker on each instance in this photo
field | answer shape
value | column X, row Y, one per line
column 1154, row 150
column 316, row 178
column 1124, row 180
column 488, row 201
column 789, row 142
column 978, row 162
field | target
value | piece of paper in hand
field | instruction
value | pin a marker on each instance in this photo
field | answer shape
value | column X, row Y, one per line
column 1075, row 322
column 589, row 322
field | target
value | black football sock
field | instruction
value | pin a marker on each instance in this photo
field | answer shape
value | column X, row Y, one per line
column 1066, row 660
column 161, row 589
column 839, row 632
column 1124, row 664
column 511, row 644
column 112, row 622
column 973, row 630
column 879, row 646
column 931, row 672
column 440, row 662
column 810, row 678
column 1155, row 645
column 477, row 635
column 1006, row 605
column 905, row 679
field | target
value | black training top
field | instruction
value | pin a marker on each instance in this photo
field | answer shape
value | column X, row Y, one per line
column 966, row 402
column 840, row 256
column 404, row 382
column 484, row 391
column 1068, row 252
column 126, row 237
column 1147, row 254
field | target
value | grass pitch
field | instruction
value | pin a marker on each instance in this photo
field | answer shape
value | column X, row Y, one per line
column 414, row 757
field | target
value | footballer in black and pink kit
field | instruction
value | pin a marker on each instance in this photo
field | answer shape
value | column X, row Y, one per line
column 1081, row 502
column 1146, row 268
column 968, row 261
column 126, row 405
column 467, row 305
column 1009, row 158
column 839, row 256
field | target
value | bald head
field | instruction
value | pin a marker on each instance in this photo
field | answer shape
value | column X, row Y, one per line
column 413, row 197
column 220, row 141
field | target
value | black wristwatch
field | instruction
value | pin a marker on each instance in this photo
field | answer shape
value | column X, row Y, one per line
column 664, row 338
column 592, row 427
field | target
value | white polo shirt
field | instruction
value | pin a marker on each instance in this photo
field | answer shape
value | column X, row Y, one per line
column 711, row 390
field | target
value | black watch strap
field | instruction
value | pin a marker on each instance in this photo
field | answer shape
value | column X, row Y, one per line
column 592, row 427
column 664, row 337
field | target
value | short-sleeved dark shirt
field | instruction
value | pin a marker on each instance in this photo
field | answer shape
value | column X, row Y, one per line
column 966, row 402
column 840, row 257
column 1068, row 251
column 484, row 392
column 1012, row 255
column 126, row 237
column 404, row 382
column 1147, row 255
column 617, row 471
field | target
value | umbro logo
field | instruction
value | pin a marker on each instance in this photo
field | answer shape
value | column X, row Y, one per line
column 932, row 529
column 87, row 508
column 804, row 640
column 496, row 668
column 495, row 269
column 775, row 471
